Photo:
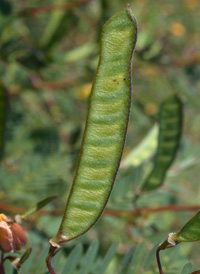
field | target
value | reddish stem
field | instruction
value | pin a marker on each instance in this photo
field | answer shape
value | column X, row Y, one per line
column 49, row 258
column 34, row 11
column 143, row 211
column 113, row 212
column 162, row 246
column 158, row 261
column 9, row 258
column 2, row 271
column 196, row 272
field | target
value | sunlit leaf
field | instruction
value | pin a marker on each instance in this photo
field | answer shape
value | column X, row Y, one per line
column 145, row 149
column 80, row 52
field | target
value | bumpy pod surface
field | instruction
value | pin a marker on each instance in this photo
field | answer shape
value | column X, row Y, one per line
column 105, row 129
column 171, row 120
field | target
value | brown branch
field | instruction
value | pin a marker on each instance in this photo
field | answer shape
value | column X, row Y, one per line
column 52, row 85
column 112, row 212
column 143, row 211
column 193, row 59
column 38, row 10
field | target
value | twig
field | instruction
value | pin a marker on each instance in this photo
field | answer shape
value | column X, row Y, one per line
column 160, row 247
column 191, row 60
column 68, row 6
column 113, row 212
column 53, row 85
column 143, row 211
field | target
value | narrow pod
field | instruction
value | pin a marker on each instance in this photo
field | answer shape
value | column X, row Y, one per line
column 105, row 129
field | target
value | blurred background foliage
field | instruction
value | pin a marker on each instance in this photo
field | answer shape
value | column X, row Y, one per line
column 48, row 56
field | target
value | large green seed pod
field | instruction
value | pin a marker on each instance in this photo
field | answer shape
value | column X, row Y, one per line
column 105, row 129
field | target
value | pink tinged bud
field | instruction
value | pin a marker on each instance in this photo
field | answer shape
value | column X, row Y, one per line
column 19, row 237
column 12, row 237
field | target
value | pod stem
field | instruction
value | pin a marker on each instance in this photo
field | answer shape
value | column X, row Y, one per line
column 160, row 247
column 49, row 258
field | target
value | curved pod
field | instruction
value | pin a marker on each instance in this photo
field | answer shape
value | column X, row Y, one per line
column 105, row 129
column 171, row 120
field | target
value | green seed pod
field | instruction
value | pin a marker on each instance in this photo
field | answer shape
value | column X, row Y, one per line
column 105, row 129
column 171, row 119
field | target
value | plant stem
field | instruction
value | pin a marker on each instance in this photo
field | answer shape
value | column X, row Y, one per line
column 2, row 271
column 42, row 9
column 113, row 212
column 196, row 272
column 49, row 257
column 162, row 246
column 144, row 211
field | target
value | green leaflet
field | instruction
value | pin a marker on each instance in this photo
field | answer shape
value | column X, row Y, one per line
column 127, row 259
column 108, row 257
column 3, row 114
column 145, row 149
column 53, row 26
column 169, row 138
column 36, row 207
column 24, row 257
column 187, row 269
column 190, row 232
column 80, row 52
column 105, row 129
column 90, row 257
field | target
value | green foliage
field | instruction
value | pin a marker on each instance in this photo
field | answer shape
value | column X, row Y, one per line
column 3, row 114
column 191, row 230
column 187, row 269
column 36, row 207
column 144, row 151
column 48, row 87
column 138, row 259
column 23, row 258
